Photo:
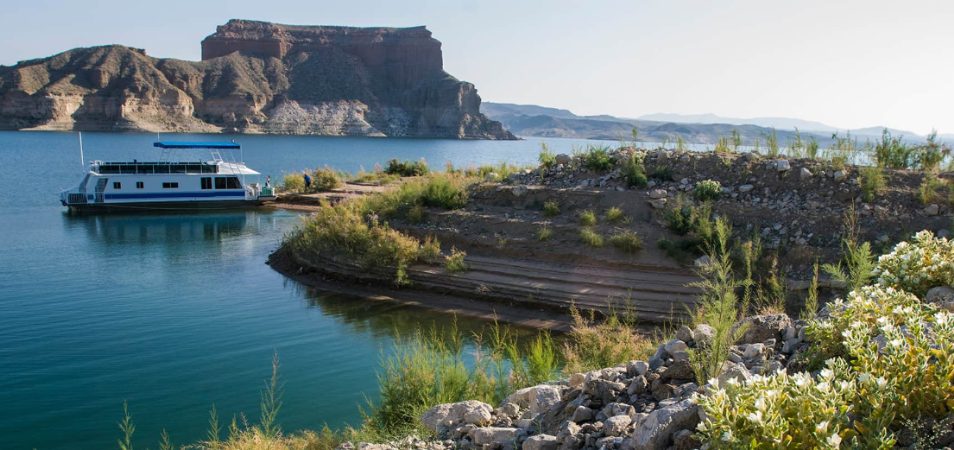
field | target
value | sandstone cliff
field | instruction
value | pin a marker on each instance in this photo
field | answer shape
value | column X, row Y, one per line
column 254, row 77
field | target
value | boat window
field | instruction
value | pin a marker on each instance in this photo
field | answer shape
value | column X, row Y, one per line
column 227, row 183
column 117, row 185
column 206, row 182
column 139, row 185
column 170, row 185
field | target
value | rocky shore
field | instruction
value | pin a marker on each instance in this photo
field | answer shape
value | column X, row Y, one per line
column 654, row 404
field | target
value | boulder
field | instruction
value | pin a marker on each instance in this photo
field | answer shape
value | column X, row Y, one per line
column 604, row 390
column 658, row 193
column 782, row 165
column 761, row 328
column 541, row 442
column 839, row 175
column 543, row 397
column 804, row 173
column 746, row 188
column 637, row 368
column 657, row 430
column 733, row 371
column 616, row 425
column 684, row 333
column 447, row 415
column 563, row 159
column 943, row 296
column 494, row 436
column 703, row 334
column 582, row 414
column 932, row 210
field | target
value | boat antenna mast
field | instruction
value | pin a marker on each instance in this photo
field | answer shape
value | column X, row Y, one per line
column 82, row 159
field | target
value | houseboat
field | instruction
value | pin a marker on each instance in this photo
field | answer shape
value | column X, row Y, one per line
column 169, row 184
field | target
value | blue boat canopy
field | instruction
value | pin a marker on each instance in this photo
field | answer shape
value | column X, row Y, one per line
column 212, row 145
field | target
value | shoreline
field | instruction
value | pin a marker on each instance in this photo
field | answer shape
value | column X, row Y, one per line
column 541, row 319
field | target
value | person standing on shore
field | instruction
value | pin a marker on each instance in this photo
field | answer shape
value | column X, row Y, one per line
column 307, row 180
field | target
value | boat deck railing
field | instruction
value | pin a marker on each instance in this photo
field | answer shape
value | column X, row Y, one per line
column 155, row 167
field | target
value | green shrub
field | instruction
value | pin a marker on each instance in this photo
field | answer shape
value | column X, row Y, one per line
column 811, row 149
column 888, row 362
column 930, row 155
column 340, row 232
column 434, row 367
column 551, row 208
column 722, row 147
column 771, row 140
column 936, row 190
column 662, row 173
column 597, row 159
column 706, row 190
column 544, row 233
column 626, row 240
column 444, row 192
column 491, row 172
column 683, row 217
column 587, row 218
column 591, row 237
column 430, row 250
column 872, row 183
column 857, row 265
column 633, row 172
column 447, row 191
column 841, row 151
column 293, row 182
column 407, row 168
column 795, row 411
column 718, row 306
column 615, row 215
column 796, row 148
column 377, row 177
column 593, row 345
column 918, row 265
column 326, row 179
column 547, row 158
column 454, row 262
column 891, row 153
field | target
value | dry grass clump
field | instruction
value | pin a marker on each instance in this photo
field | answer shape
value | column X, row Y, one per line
column 626, row 240
column 591, row 237
column 593, row 344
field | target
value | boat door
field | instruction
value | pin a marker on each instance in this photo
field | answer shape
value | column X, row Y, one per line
column 100, row 188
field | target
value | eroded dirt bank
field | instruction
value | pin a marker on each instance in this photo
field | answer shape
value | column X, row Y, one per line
column 794, row 207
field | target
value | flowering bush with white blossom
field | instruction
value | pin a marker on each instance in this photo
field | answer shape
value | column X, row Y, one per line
column 797, row 411
column 925, row 262
column 888, row 361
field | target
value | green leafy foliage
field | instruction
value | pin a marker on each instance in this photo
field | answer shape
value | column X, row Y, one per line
column 707, row 190
column 407, row 168
column 634, row 172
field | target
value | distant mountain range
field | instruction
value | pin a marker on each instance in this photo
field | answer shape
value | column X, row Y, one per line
column 534, row 120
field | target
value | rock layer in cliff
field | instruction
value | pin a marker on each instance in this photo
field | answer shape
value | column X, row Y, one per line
column 255, row 77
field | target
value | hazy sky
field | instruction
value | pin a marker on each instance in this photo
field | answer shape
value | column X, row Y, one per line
column 846, row 63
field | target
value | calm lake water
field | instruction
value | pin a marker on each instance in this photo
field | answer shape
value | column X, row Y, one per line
column 174, row 313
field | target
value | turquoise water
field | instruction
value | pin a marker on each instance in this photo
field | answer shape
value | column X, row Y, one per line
column 174, row 313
